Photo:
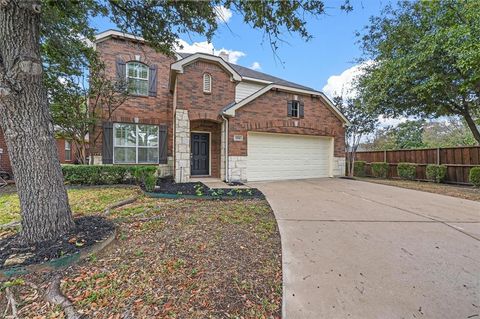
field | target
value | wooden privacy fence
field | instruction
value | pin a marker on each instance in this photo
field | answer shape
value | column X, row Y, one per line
column 458, row 160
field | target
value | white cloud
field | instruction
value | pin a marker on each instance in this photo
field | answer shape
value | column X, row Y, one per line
column 203, row 47
column 223, row 14
column 256, row 66
column 342, row 84
column 206, row 47
column 233, row 55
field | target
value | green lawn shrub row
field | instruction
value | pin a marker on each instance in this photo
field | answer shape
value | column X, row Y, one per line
column 359, row 168
column 379, row 169
column 436, row 173
column 474, row 176
column 407, row 170
column 110, row 174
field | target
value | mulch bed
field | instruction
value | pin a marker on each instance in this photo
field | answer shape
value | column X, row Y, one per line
column 168, row 186
column 88, row 231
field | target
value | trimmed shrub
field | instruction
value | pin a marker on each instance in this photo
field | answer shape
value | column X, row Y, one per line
column 379, row 169
column 94, row 174
column 474, row 176
column 359, row 168
column 407, row 170
column 436, row 173
column 108, row 174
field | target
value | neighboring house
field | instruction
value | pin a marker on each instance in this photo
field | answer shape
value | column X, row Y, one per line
column 64, row 148
column 198, row 115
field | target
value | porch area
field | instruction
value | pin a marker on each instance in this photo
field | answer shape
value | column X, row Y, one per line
column 199, row 147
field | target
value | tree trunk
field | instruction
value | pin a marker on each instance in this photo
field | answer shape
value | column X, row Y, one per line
column 473, row 127
column 26, row 121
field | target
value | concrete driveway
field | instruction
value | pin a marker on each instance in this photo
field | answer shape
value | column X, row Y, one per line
column 354, row 249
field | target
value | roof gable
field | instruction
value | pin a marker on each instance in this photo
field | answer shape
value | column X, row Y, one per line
column 231, row 108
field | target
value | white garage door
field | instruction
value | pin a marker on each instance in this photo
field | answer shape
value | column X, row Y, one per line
column 287, row 156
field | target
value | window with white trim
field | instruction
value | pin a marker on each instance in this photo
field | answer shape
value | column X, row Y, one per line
column 137, row 78
column 207, row 83
column 295, row 109
column 135, row 143
column 68, row 151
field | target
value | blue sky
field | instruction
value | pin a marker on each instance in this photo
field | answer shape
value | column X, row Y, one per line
column 332, row 50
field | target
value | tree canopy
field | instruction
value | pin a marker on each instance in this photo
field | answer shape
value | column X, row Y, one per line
column 414, row 134
column 46, row 45
column 425, row 60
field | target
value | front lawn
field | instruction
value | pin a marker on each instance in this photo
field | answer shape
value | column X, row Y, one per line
column 83, row 200
column 465, row 192
column 174, row 259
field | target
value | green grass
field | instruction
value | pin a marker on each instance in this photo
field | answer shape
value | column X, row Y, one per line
column 87, row 200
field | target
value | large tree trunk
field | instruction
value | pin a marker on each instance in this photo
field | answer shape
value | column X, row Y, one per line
column 26, row 121
column 473, row 127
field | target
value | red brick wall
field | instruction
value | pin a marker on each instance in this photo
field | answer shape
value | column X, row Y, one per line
column 268, row 113
column 148, row 110
column 190, row 95
column 215, row 143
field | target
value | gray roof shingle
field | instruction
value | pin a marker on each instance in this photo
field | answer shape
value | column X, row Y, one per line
column 246, row 72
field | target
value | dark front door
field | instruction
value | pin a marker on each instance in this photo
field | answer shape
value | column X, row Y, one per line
column 200, row 154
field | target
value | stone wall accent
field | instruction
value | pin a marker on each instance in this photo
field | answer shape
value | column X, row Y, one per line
column 182, row 146
column 338, row 166
column 268, row 113
column 237, row 168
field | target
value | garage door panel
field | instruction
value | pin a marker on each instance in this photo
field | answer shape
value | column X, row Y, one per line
column 280, row 156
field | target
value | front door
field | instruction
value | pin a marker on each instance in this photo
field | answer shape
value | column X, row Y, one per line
column 200, row 161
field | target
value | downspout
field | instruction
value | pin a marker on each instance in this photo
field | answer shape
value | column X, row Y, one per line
column 226, row 148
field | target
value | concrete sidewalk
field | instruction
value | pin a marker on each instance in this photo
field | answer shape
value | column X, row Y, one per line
column 361, row 250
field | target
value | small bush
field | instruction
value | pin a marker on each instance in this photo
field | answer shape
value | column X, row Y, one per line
column 150, row 182
column 407, row 170
column 359, row 168
column 436, row 173
column 141, row 172
column 474, row 176
column 380, row 169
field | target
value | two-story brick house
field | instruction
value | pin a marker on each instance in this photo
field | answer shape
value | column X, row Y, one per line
column 199, row 115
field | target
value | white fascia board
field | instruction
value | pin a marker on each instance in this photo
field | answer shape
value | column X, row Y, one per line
column 246, row 78
column 178, row 66
column 231, row 111
column 114, row 33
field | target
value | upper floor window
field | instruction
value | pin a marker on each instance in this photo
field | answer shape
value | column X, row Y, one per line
column 137, row 78
column 207, row 83
column 295, row 108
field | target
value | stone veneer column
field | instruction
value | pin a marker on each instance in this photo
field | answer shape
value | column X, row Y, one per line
column 237, row 168
column 339, row 166
column 182, row 146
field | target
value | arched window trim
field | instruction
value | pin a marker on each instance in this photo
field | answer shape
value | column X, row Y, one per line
column 207, row 83
column 137, row 84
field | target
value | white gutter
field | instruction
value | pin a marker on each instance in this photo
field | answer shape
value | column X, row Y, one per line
column 226, row 148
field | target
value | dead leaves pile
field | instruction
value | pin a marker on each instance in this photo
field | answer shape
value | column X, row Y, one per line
column 175, row 259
